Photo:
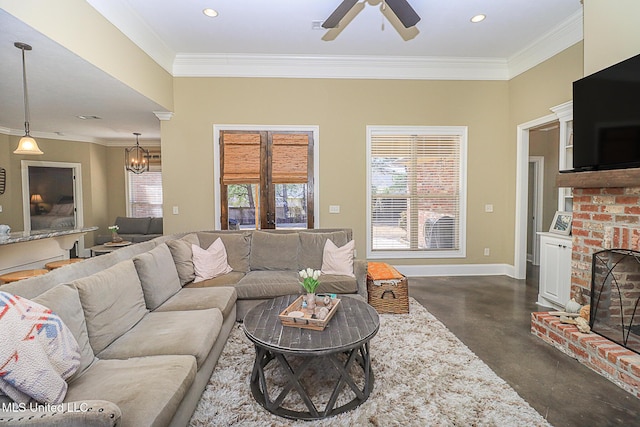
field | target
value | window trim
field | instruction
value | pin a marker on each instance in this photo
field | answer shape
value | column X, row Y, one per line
column 274, row 128
column 461, row 131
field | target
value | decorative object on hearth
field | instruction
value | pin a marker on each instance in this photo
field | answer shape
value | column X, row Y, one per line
column 585, row 312
column 136, row 159
column 310, row 284
column 561, row 223
column 115, row 238
column 27, row 144
column 572, row 306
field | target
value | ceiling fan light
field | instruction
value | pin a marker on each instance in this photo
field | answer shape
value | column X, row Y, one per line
column 28, row 145
column 211, row 13
column 478, row 18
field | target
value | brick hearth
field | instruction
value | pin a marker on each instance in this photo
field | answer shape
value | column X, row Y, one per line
column 606, row 215
column 605, row 357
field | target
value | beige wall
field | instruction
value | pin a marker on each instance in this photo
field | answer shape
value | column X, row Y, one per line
column 78, row 27
column 93, row 163
column 115, row 176
column 342, row 109
column 611, row 32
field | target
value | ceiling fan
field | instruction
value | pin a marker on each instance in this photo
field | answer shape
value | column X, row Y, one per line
column 401, row 8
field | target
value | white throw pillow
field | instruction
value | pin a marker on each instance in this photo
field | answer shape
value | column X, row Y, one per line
column 211, row 262
column 337, row 260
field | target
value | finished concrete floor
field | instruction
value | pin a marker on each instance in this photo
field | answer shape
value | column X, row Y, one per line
column 491, row 315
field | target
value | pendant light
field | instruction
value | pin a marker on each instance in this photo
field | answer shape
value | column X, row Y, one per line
column 27, row 144
column 136, row 159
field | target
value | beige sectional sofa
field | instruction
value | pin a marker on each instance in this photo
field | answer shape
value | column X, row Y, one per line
column 149, row 337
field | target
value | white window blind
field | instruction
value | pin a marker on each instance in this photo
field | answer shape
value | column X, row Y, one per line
column 416, row 191
column 145, row 194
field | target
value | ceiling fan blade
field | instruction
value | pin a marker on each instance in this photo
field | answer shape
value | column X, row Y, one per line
column 404, row 12
column 334, row 19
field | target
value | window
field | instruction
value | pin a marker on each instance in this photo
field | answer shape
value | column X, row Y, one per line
column 416, row 179
column 266, row 179
column 144, row 194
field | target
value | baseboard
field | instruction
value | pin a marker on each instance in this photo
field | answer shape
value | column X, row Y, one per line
column 456, row 270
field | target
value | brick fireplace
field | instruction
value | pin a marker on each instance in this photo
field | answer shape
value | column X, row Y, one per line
column 606, row 215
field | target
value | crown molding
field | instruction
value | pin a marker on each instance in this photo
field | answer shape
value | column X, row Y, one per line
column 125, row 19
column 565, row 35
column 339, row 67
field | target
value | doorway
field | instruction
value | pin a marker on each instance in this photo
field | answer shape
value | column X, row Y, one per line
column 543, row 130
column 52, row 196
column 534, row 207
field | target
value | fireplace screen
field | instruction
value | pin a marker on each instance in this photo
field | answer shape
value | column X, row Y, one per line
column 615, row 293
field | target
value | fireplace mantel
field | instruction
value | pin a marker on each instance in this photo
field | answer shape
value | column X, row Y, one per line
column 600, row 179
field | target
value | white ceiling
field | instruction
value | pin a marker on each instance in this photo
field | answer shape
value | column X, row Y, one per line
column 271, row 38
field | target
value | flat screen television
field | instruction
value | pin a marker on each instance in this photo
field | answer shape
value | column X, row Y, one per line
column 606, row 118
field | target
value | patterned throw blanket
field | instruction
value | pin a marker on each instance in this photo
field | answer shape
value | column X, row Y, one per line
column 38, row 352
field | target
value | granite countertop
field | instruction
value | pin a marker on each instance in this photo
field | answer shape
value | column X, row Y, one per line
column 27, row 236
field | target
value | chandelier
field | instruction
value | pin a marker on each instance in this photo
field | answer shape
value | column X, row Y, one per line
column 136, row 159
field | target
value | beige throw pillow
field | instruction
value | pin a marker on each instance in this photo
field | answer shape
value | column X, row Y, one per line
column 337, row 260
column 211, row 262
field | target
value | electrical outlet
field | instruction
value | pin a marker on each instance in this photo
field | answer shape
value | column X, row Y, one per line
column 176, row 211
column 488, row 208
column 334, row 209
column 0, row 208
column 487, row 251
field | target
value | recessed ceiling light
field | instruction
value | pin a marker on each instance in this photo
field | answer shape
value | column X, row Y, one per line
column 211, row 13
column 87, row 117
column 478, row 18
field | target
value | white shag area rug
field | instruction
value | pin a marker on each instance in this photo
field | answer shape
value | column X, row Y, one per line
column 424, row 376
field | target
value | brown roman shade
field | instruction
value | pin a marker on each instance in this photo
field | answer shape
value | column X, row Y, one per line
column 289, row 158
column 241, row 157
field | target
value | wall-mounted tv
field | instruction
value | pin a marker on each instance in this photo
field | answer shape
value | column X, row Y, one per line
column 606, row 118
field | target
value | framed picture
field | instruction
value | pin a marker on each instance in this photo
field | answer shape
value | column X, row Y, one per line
column 561, row 223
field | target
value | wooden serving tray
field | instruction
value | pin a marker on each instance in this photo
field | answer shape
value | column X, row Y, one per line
column 307, row 322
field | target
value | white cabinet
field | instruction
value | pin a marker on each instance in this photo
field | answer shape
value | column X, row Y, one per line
column 555, row 270
column 564, row 112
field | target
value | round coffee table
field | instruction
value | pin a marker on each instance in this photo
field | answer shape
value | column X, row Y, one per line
column 344, row 343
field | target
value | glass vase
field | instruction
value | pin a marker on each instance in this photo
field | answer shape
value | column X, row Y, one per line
column 115, row 238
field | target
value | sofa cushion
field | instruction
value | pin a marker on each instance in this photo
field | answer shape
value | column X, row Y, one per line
column 229, row 279
column 237, row 245
column 128, row 225
column 337, row 284
column 65, row 302
column 148, row 390
column 222, row 298
column 158, row 275
column 274, row 251
column 170, row 332
column 183, row 256
column 312, row 246
column 112, row 301
column 211, row 262
column 268, row 284
column 155, row 226
column 271, row 284
column 337, row 260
